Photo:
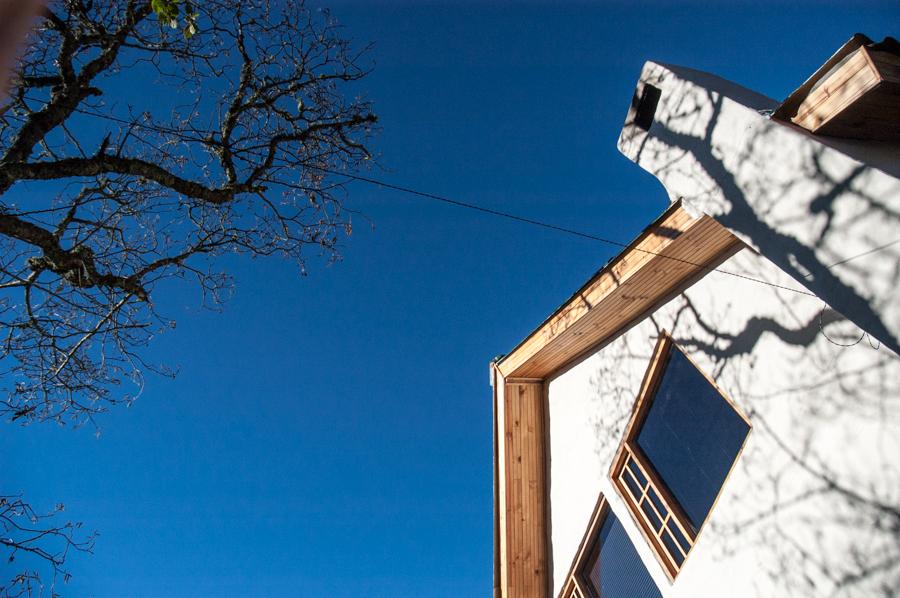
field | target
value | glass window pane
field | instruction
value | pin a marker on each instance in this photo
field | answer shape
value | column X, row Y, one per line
column 672, row 549
column 655, row 521
column 657, row 502
column 691, row 436
column 615, row 569
column 635, row 491
column 676, row 531
column 641, row 480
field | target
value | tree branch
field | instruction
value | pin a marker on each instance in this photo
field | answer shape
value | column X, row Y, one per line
column 75, row 265
column 107, row 164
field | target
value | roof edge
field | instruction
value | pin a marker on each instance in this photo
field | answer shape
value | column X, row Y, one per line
column 672, row 249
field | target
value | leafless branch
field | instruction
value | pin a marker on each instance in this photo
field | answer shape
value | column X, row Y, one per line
column 104, row 194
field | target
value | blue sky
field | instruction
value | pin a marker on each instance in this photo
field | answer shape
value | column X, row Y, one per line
column 331, row 435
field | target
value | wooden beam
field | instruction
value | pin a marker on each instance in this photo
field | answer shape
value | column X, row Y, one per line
column 523, row 494
column 672, row 250
column 498, row 435
column 855, row 94
column 860, row 99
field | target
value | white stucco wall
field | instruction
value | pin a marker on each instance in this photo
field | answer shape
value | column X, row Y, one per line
column 825, row 210
column 812, row 507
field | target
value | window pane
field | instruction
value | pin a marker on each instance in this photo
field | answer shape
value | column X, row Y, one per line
column 655, row 521
column 691, row 435
column 641, row 480
column 616, row 570
column 635, row 491
column 685, row 545
column 672, row 549
column 657, row 502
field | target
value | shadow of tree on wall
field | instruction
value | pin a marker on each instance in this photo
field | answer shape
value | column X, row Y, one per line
column 817, row 506
column 685, row 142
column 828, row 527
column 813, row 504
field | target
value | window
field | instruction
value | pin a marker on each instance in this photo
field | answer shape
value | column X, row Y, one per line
column 682, row 441
column 646, row 106
column 606, row 564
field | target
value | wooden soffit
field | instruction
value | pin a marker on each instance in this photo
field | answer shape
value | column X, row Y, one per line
column 671, row 251
column 855, row 94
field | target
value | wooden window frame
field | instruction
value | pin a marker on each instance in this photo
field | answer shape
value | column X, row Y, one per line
column 575, row 586
column 674, row 522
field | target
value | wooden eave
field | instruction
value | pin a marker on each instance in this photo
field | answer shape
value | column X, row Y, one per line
column 855, row 94
column 788, row 108
column 671, row 251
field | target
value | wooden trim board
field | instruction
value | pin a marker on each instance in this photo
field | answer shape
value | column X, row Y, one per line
column 672, row 250
column 521, row 512
column 855, row 94
column 572, row 587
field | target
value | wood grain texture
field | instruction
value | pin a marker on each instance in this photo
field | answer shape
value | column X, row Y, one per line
column 859, row 98
column 522, row 508
column 671, row 251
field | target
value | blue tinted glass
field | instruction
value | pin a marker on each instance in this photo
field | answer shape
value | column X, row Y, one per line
column 680, row 537
column 673, row 550
column 657, row 502
column 617, row 571
column 692, row 436
column 655, row 521
column 635, row 490
column 641, row 480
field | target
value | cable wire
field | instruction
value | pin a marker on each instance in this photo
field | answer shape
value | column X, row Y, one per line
column 577, row 233
column 502, row 214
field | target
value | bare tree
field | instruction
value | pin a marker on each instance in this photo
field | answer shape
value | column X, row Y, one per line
column 247, row 115
column 24, row 533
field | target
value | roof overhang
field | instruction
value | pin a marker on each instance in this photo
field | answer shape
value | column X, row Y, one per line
column 855, row 94
column 667, row 255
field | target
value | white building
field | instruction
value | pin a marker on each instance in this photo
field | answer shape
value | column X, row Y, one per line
column 717, row 411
